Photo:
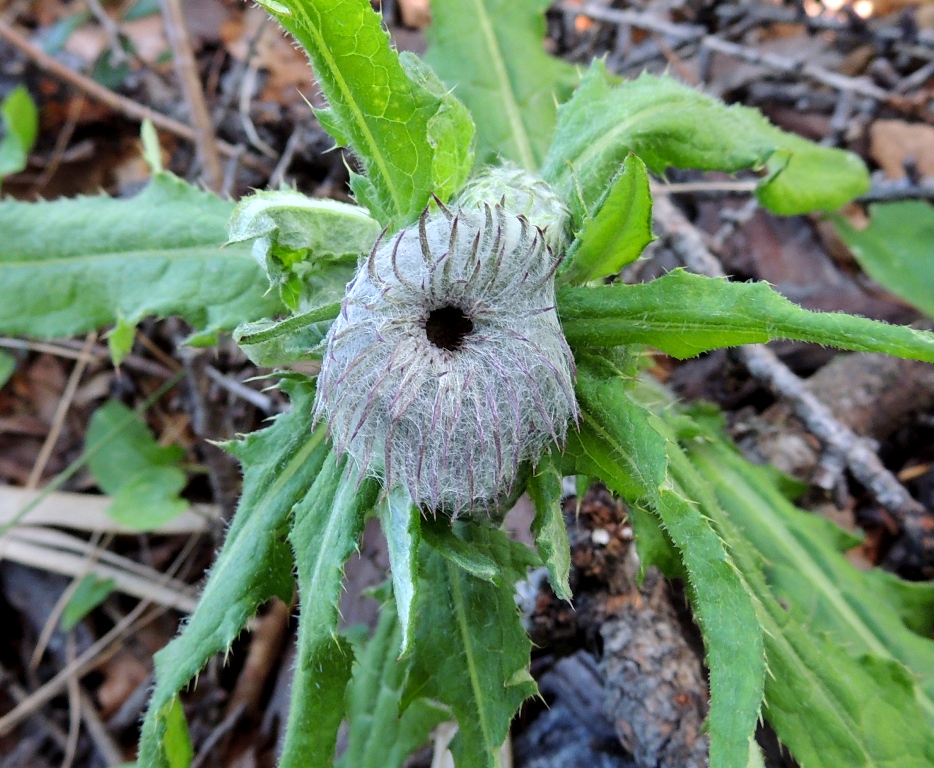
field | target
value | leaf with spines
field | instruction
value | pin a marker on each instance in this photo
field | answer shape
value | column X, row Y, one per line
column 98, row 259
column 618, row 231
column 413, row 139
column 279, row 342
column 551, row 536
column 308, row 247
column 379, row 737
column 491, row 52
column 470, row 651
column 401, row 523
column 670, row 124
column 442, row 536
column 327, row 523
column 865, row 611
column 280, row 464
column 619, row 443
column 828, row 707
column 684, row 314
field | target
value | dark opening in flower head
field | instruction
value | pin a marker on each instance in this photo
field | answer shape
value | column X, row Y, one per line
column 447, row 368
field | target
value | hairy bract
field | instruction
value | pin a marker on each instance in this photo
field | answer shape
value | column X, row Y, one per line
column 447, row 369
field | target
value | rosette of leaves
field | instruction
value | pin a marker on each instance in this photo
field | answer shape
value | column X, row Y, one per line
column 573, row 185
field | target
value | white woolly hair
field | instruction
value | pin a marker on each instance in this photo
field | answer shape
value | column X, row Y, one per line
column 447, row 368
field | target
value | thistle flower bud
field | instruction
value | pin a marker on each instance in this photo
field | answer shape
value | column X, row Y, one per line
column 521, row 194
column 447, row 368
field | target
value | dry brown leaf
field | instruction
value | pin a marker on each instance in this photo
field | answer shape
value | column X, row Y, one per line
column 895, row 142
column 289, row 70
column 123, row 674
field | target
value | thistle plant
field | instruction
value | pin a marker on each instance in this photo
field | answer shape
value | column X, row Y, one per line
column 446, row 369
column 474, row 343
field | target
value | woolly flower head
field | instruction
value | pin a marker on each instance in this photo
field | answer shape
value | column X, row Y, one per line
column 447, row 370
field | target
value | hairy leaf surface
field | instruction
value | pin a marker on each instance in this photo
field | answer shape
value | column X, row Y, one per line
column 280, row 342
column 379, row 737
column 328, row 521
column 866, row 612
column 470, row 651
column 401, row 523
column 551, row 536
column 71, row 266
column 413, row 138
column 491, row 52
column 308, row 247
column 828, row 704
column 685, row 314
column 670, row 124
column 280, row 463
column 620, row 228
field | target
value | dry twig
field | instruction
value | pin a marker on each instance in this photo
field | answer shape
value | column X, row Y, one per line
column 187, row 70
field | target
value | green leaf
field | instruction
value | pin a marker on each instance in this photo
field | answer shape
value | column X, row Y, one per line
column 828, row 707
column 622, row 442
column 91, row 591
column 670, row 124
column 279, row 342
column 308, row 247
column 441, row 535
column 866, row 612
column 685, row 314
column 491, row 52
column 20, row 120
column 409, row 135
column 895, row 249
column 619, row 230
column 327, row 524
column 401, row 523
column 178, row 749
column 378, row 736
column 7, row 366
column 149, row 499
column 470, row 651
column 142, row 476
column 280, row 465
column 551, row 536
column 120, row 340
column 71, row 266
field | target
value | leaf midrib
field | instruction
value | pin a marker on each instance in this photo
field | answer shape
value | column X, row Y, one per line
column 508, row 96
column 189, row 252
column 457, row 596
column 348, row 101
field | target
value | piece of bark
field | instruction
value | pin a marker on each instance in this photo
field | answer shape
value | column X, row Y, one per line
column 655, row 692
column 573, row 730
column 654, row 682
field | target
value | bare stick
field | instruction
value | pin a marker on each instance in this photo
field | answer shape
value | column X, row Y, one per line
column 861, row 459
column 61, row 411
column 187, row 70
